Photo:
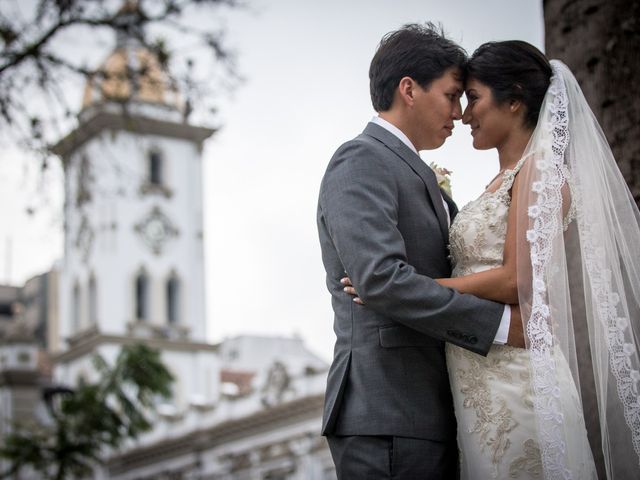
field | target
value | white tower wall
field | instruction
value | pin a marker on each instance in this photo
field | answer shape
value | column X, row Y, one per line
column 104, row 238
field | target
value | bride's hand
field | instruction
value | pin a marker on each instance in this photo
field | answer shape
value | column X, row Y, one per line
column 516, row 331
column 348, row 287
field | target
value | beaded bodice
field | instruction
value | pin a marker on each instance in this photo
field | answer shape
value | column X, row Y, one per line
column 477, row 235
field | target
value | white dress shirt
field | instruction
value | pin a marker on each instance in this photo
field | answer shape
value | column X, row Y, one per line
column 503, row 330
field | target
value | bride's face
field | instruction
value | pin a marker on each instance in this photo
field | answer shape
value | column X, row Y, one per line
column 490, row 122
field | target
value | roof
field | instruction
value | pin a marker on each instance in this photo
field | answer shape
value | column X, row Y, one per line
column 131, row 73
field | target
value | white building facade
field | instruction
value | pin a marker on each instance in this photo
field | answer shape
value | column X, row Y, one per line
column 133, row 270
column 269, row 431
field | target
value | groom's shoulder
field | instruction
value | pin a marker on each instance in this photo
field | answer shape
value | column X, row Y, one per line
column 361, row 159
column 361, row 147
column 355, row 155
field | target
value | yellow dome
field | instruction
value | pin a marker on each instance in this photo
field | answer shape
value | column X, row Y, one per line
column 132, row 73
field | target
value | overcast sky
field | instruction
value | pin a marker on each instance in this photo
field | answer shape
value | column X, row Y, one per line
column 306, row 92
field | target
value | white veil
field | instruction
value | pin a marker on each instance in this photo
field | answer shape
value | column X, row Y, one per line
column 579, row 286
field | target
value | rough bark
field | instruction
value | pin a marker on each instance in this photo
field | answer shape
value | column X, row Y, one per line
column 600, row 41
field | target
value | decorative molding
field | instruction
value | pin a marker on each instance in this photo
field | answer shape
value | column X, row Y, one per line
column 156, row 229
column 83, row 335
column 265, row 420
column 148, row 188
column 200, row 404
column 101, row 120
column 146, row 329
column 90, row 343
column 170, row 413
column 277, row 385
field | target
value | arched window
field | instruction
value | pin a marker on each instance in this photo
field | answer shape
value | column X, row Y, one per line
column 93, row 301
column 155, row 168
column 75, row 315
column 142, row 296
column 83, row 190
column 173, row 300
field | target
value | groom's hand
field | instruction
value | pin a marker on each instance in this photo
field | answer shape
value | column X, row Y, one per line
column 516, row 333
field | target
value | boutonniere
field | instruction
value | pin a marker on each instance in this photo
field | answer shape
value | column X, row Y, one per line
column 443, row 176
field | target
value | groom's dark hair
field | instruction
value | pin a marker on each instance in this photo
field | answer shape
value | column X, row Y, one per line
column 421, row 52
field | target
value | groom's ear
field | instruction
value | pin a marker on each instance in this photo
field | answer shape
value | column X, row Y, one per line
column 406, row 90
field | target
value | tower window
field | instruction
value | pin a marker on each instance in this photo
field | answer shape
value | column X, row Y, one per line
column 154, row 181
column 142, row 296
column 173, row 300
column 93, row 301
column 155, row 168
column 76, row 308
column 83, row 191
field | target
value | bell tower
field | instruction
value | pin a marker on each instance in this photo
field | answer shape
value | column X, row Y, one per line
column 133, row 267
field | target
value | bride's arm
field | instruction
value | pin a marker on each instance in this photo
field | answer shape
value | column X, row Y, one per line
column 498, row 284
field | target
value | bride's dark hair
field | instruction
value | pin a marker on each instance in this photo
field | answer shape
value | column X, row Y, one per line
column 513, row 70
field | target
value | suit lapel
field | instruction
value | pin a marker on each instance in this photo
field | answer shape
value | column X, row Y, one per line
column 453, row 208
column 417, row 165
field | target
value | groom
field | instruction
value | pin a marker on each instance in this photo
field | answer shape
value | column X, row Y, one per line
column 384, row 222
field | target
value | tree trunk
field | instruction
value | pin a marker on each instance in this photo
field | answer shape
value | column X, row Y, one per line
column 600, row 42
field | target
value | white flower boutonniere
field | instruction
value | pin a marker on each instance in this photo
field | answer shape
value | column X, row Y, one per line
column 443, row 176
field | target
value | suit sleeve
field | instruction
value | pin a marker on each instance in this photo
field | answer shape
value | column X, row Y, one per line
column 359, row 206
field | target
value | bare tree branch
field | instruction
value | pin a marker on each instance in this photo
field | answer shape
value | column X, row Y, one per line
column 34, row 64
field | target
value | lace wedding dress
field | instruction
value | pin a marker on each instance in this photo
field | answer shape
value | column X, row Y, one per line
column 497, row 431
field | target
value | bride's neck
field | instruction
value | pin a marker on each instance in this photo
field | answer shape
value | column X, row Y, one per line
column 510, row 152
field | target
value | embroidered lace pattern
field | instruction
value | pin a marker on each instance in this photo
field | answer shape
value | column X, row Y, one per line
column 528, row 462
column 477, row 239
column 478, row 233
column 544, row 436
column 614, row 320
column 545, row 214
column 621, row 349
column 493, row 418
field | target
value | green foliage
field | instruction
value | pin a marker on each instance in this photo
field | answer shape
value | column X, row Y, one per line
column 96, row 415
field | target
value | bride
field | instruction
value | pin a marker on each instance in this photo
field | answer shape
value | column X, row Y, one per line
column 558, row 233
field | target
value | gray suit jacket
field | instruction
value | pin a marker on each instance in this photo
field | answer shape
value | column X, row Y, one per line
column 381, row 222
